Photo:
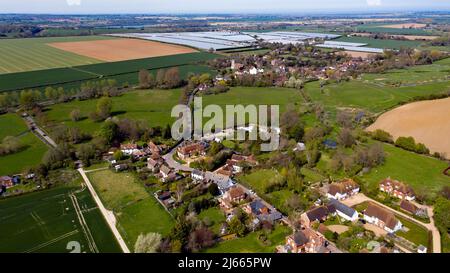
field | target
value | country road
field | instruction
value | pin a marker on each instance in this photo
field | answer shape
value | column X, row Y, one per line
column 109, row 215
column 39, row 132
column 361, row 198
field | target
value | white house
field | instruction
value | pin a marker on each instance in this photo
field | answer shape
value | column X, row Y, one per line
column 382, row 218
column 197, row 175
column 344, row 211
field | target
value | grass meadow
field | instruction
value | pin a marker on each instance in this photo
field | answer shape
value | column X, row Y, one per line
column 153, row 106
column 136, row 210
column 29, row 156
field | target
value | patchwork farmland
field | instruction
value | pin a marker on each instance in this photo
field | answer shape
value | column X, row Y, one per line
column 20, row 55
column 41, row 78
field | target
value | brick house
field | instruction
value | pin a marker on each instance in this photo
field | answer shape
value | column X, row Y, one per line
column 305, row 241
column 343, row 190
column 190, row 150
column 397, row 189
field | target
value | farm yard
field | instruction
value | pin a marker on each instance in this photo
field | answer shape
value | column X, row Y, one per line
column 47, row 221
column 136, row 210
column 30, row 155
column 121, row 49
column 153, row 106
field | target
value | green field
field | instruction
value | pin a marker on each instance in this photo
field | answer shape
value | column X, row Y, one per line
column 380, row 28
column 153, row 106
column 47, row 221
column 20, row 55
column 422, row 74
column 29, row 156
column 255, row 96
column 369, row 96
column 380, row 43
column 76, row 74
column 251, row 243
column 136, row 210
column 423, row 174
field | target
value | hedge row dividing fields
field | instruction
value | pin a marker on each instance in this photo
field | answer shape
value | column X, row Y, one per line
column 41, row 78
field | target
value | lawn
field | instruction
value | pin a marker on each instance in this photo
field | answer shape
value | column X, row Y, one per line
column 415, row 234
column 137, row 211
column 258, row 179
column 29, row 156
column 422, row 173
column 153, row 106
column 251, row 243
column 46, row 221
column 117, row 190
column 28, row 54
column 215, row 216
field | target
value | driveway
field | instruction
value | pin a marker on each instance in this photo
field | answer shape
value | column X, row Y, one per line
column 361, row 198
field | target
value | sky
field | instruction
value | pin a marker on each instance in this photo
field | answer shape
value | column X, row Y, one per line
column 215, row 6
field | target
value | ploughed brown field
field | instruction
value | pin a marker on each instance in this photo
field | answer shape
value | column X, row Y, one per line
column 121, row 49
column 427, row 121
column 408, row 25
column 357, row 54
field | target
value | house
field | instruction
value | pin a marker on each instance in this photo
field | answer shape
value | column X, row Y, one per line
column 154, row 149
column 236, row 162
column 262, row 212
column 299, row 147
column 319, row 214
column 408, row 206
column 121, row 167
column 422, row 249
column 234, row 195
column 397, row 189
column 153, row 165
column 305, row 241
column 197, row 175
column 191, row 149
column 343, row 190
column 129, row 148
column 236, row 66
column 382, row 218
column 344, row 211
column 167, row 175
column 223, row 182
column 6, row 181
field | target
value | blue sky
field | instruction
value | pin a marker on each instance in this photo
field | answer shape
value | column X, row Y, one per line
column 217, row 6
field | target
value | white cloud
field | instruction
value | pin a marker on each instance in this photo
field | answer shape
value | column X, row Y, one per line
column 73, row 2
column 374, row 3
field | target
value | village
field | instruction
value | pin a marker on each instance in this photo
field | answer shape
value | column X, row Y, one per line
column 340, row 210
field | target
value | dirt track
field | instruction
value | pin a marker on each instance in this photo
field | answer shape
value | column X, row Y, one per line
column 121, row 49
column 427, row 121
